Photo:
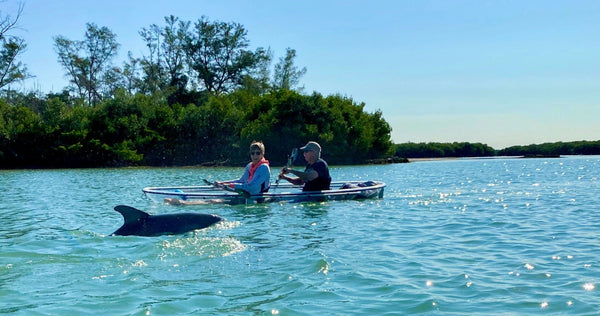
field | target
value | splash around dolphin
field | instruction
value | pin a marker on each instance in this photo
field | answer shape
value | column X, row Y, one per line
column 140, row 223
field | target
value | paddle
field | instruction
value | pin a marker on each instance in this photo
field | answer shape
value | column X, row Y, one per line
column 227, row 188
column 290, row 161
column 210, row 183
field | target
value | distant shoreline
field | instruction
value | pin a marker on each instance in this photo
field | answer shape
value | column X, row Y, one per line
column 486, row 157
column 433, row 159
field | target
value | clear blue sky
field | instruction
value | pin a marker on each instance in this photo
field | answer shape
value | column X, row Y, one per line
column 504, row 72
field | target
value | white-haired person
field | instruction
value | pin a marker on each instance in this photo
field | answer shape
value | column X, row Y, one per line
column 255, row 179
column 316, row 175
column 257, row 175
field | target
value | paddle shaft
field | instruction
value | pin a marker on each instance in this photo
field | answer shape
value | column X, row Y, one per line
column 290, row 161
column 226, row 188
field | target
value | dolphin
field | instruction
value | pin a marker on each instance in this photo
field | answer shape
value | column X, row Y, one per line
column 141, row 223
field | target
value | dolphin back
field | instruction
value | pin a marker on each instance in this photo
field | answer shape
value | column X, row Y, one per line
column 131, row 214
column 140, row 223
column 133, row 220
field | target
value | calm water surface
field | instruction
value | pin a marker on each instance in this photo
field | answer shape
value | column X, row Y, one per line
column 487, row 236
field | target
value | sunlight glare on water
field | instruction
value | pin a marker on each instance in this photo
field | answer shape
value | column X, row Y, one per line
column 466, row 236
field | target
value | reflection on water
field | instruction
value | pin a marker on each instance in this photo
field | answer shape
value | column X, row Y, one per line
column 489, row 236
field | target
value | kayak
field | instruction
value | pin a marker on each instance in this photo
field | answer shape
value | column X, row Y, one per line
column 283, row 192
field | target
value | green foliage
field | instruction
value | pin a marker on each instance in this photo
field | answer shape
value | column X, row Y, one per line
column 87, row 62
column 287, row 75
column 206, row 133
column 218, row 54
column 22, row 136
column 164, row 66
column 11, row 47
column 137, row 129
column 11, row 69
column 286, row 119
column 199, row 97
column 438, row 150
column 554, row 149
column 140, row 129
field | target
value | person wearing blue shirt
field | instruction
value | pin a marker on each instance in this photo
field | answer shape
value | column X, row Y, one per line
column 256, row 178
column 257, row 175
column 316, row 175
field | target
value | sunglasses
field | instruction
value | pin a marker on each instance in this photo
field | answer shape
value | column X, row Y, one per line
column 255, row 153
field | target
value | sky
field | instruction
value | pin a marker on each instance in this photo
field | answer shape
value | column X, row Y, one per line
column 502, row 73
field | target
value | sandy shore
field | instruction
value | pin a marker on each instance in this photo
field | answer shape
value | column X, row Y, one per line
column 432, row 159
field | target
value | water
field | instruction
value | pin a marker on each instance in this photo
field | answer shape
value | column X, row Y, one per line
column 487, row 236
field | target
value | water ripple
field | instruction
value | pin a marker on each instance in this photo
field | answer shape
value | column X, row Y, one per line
column 490, row 236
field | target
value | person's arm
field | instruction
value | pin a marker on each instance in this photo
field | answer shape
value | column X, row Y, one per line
column 302, row 176
column 305, row 175
column 261, row 175
column 295, row 181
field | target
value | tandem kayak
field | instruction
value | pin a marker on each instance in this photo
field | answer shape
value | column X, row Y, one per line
column 283, row 192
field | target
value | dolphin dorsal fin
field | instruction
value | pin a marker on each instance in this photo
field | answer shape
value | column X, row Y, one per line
column 131, row 214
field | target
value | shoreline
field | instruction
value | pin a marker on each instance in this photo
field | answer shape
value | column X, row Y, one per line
column 489, row 157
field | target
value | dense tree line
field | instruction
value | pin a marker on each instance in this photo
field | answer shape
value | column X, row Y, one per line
column 199, row 96
column 554, row 149
column 138, row 129
column 440, row 150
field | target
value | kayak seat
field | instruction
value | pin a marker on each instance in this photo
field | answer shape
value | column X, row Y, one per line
column 349, row 186
column 367, row 184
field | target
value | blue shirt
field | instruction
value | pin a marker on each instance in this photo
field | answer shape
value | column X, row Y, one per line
column 261, row 181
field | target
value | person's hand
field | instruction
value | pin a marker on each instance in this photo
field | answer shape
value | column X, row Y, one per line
column 219, row 184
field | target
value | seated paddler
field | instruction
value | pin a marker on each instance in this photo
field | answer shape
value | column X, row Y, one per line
column 257, row 175
column 315, row 176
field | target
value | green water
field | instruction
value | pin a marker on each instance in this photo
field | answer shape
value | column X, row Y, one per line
column 484, row 236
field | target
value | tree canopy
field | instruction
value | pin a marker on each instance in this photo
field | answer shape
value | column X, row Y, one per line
column 438, row 150
column 554, row 149
column 11, row 47
column 88, row 62
column 199, row 96
column 138, row 129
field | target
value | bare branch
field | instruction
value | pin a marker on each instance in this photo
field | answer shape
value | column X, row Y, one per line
column 7, row 23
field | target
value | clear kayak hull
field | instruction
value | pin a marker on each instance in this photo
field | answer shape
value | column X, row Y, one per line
column 283, row 192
